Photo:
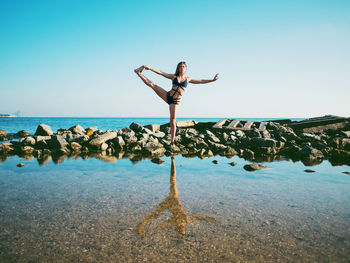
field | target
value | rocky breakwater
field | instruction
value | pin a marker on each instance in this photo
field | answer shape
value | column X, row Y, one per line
column 193, row 139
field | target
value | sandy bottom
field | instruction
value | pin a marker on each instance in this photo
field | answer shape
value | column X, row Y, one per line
column 195, row 211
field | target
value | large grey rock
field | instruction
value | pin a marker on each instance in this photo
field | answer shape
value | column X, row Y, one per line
column 109, row 135
column 136, row 127
column 153, row 127
column 75, row 146
column 28, row 141
column 211, row 136
column 185, row 124
column 159, row 134
column 77, row 129
column 119, row 142
column 151, row 146
column 257, row 142
column 58, row 141
column 307, row 152
column 103, row 146
column 44, row 130
column 345, row 134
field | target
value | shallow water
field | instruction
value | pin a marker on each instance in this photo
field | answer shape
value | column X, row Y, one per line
column 93, row 211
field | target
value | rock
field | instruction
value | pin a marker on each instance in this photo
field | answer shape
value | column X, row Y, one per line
column 75, row 146
column 265, row 134
column 262, row 142
column 58, row 141
column 20, row 165
column 77, row 129
column 159, row 134
column 157, row 161
column 215, row 161
column 309, row 171
column 89, row 132
column 119, row 142
column 174, row 149
column 43, row 130
column 2, row 133
column 22, row 133
column 109, row 135
column 130, row 139
column 136, row 148
column 211, row 136
column 305, row 135
column 248, row 154
column 345, row 134
column 254, row 167
column 147, row 131
column 28, row 141
column 103, row 146
column 42, row 138
column 153, row 127
column 230, row 151
column 151, row 146
column 309, row 153
column 156, row 152
column 239, row 134
column 192, row 132
column 348, row 173
column 136, row 127
column 27, row 149
column 185, row 124
column 233, row 163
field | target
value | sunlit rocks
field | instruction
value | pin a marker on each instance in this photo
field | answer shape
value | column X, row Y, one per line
column 28, row 141
column 44, row 130
column 153, row 127
column 77, row 129
column 109, row 135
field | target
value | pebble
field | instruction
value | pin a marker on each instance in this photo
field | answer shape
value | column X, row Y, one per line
column 215, row 161
column 309, row 171
column 20, row 165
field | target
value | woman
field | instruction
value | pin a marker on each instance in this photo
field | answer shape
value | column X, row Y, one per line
column 173, row 96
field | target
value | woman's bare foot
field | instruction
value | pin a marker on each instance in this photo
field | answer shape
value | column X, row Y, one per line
column 139, row 70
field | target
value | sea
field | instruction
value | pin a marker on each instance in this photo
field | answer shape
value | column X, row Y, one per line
column 182, row 210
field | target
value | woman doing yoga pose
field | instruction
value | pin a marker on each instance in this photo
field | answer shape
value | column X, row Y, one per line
column 173, row 96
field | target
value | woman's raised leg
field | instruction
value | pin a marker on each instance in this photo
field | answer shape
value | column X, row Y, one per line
column 160, row 91
column 173, row 110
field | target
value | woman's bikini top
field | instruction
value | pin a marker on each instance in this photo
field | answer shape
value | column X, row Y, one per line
column 182, row 84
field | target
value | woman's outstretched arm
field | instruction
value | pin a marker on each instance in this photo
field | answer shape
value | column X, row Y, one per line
column 168, row 76
column 202, row 81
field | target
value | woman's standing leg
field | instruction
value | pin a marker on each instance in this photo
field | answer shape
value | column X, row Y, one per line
column 173, row 110
column 160, row 91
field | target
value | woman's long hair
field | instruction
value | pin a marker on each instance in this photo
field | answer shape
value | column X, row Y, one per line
column 177, row 68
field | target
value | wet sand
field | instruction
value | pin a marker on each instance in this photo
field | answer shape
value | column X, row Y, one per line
column 90, row 211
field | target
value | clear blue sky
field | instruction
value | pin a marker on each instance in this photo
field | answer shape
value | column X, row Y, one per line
column 274, row 58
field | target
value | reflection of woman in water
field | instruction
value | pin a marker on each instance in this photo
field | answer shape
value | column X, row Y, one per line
column 172, row 202
column 173, row 96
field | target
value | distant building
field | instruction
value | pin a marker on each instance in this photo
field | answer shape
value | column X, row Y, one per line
column 6, row 116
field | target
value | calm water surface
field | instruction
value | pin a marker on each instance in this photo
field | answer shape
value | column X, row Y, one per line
column 184, row 210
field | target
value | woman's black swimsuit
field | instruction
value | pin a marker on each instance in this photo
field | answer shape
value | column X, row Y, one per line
column 170, row 98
